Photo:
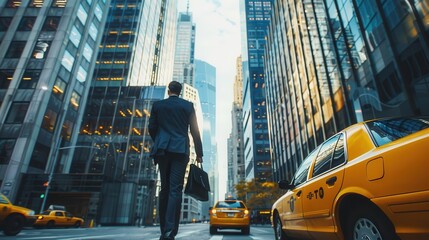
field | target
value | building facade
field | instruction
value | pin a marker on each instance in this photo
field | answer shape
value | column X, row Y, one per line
column 185, row 50
column 192, row 208
column 236, row 166
column 205, row 83
column 254, row 22
column 332, row 63
column 47, row 57
column 136, row 41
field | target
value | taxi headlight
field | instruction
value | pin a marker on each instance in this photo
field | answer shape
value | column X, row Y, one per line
column 246, row 213
column 214, row 212
column 40, row 217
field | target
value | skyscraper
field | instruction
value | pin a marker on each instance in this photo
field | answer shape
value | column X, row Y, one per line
column 47, row 57
column 330, row 64
column 236, row 167
column 205, row 83
column 255, row 19
column 137, row 39
column 185, row 50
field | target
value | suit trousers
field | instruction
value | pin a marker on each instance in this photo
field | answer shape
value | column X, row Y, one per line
column 172, row 168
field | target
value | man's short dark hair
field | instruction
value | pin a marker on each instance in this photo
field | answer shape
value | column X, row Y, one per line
column 175, row 87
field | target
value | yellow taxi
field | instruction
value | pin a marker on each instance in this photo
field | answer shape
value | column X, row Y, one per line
column 230, row 214
column 14, row 218
column 369, row 181
column 52, row 218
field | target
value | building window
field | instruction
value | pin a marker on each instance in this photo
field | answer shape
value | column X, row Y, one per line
column 30, row 79
column 36, row 3
column 17, row 112
column 41, row 50
column 51, row 24
column 5, row 78
column 93, row 31
column 13, row 3
column 5, row 23
column 81, row 74
column 59, row 88
column 87, row 52
column 6, row 148
column 49, row 120
column 67, row 61
column 98, row 12
column 15, row 49
column 26, row 23
column 75, row 36
column 74, row 101
column 82, row 14
column 59, row 3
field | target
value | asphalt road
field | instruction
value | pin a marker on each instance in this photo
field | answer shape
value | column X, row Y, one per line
column 198, row 231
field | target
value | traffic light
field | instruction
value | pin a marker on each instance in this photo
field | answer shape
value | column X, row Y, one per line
column 42, row 195
column 45, row 184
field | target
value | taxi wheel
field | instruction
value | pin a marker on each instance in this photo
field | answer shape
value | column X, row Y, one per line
column 13, row 225
column 245, row 231
column 369, row 223
column 213, row 230
column 50, row 224
column 77, row 224
column 278, row 231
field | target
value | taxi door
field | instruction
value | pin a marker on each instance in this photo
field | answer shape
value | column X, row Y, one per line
column 5, row 207
column 325, row 183
column 292, row 216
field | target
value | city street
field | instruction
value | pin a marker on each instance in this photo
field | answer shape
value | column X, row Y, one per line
column 199, row 231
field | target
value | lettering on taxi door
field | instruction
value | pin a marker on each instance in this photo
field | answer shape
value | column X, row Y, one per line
column 317, row 194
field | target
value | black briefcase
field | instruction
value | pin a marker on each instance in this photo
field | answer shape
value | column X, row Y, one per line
column 198, row 185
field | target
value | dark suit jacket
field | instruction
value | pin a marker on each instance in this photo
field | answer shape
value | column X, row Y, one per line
column 169, row 124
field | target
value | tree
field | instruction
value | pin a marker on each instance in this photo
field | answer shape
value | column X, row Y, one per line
column 258, row 195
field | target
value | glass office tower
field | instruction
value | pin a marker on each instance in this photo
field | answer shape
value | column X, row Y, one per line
column 254, row 21
column 185, row 50
column 138, row 38
column 47, row 57
column 332, row 63
column 205, row 83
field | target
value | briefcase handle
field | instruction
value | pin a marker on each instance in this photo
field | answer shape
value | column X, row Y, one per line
column 200, row 165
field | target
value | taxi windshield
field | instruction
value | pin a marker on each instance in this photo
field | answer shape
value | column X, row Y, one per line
column 230, row 204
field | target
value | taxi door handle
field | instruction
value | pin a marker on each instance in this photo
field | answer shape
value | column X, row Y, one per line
column 299, row 193
column 331, row 181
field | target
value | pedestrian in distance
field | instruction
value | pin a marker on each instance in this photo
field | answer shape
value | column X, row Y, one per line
column 170, row 121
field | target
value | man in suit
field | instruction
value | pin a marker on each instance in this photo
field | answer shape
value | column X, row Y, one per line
column 169, row 125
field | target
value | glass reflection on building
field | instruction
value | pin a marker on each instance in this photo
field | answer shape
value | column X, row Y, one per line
column 331, row 63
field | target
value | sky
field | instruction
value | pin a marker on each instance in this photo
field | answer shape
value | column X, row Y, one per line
column 218, row 42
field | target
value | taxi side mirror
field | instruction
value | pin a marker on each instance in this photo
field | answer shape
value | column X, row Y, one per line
column 284, row 184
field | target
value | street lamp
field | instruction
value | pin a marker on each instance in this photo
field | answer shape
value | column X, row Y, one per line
column 51, row 173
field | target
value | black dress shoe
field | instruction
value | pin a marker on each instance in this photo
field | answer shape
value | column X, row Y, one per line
column 168, row 236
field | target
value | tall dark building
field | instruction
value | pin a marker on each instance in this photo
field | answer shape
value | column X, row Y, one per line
column 47, row 57
column 255, row 19
column 331, row 63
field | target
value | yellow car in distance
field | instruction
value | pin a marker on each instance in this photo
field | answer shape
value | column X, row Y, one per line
column 53, row 218
column 369, row 181
column 230, row 214
column 13, row 218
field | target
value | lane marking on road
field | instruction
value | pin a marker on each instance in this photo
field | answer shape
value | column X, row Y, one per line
column 216, row 238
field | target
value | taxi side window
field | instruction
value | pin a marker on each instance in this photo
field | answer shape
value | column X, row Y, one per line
column 339, row 154
column 3, row 200
column 323, row 160
column 302, row 172
column 59, row 214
